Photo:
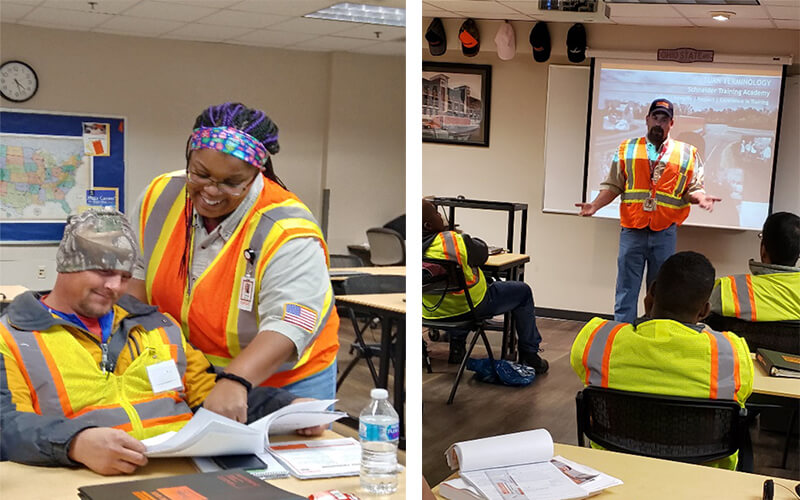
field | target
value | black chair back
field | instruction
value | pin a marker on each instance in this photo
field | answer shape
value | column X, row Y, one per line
column 367, row 283
column 452, row 281
column 675, row 428
column 346, row 260
column 783, row 336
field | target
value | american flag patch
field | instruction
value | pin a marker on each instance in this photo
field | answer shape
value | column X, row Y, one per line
column 300, row 316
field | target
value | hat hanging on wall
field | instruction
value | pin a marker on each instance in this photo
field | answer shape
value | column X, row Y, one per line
column 576, row 43
column 437, row 41
column 540, row 41
column 506, row 41
column 470, row 38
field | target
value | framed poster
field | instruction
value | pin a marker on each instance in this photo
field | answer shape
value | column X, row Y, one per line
column 53, row 165
column 455, row 103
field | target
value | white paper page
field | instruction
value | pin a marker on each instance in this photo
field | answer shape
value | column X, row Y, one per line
column 286, row 424
column 459, row 489
column 539, row 481
column 501, row 451
column 315, row 406
column 203, row 423
column 320, row 458
column 587, row 478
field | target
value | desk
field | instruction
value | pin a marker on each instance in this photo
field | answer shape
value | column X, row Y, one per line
column 510, row 266
column 8, row 292
column 656, row 479
column 391, row 308
column 774, row 386
column 342, row 273
column 19, row 481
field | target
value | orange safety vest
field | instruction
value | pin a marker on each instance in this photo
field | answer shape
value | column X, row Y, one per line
column 209, row 312
column 64, row 379
column 679, row 159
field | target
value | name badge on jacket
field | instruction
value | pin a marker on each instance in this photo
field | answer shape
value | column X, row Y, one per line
column 164, row 376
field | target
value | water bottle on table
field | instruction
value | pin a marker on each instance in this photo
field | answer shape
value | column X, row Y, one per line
column 379, row 430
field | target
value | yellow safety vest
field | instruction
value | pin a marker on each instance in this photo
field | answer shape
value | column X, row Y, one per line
column 665, row 357
column 763, row 297
column 64, row 379
column 449, row 245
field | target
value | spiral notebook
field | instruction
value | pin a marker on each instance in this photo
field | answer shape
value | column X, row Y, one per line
column 273, row 470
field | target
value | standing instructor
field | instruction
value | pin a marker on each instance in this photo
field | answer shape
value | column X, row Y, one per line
column 658, row 178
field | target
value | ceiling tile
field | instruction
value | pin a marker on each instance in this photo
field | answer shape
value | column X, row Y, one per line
column 778, row 12
column 219, row 4
column 266, row 38
column 101, row 6
column 741, row 11
column 654, row 21
column 12, row 12
column 169, row 11
column 430, row 10
column 202, row 32
column 474, row 7
column 384, row 49
column 283, row 7
column 243, row 19
column 134, row 26
column 67, row 18
column 526, row 7
column 634, row 10
column 25, row 2
column 367, row 32
column 316, row 26
column 511, row 16
column 787, row 25
column 783, row 3
column 331, row 43
column 740, row 22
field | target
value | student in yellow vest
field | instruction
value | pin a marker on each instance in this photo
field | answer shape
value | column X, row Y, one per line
column 658, row 178
column 772, row 291
column 240, row 262
column 670, row 352
column 86, row 371
column 497, row 298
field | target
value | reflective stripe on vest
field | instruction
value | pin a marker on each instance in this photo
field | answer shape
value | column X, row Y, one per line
column 742, row 289
column 598, row 351
column 43, row 369
column 149, row 234
column 764, row 297
column 724, row 367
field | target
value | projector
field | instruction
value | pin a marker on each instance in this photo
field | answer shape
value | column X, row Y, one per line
column 569, row 5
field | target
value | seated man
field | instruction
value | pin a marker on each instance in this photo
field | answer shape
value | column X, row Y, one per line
column 671, row 353
column 86, row 371
column 772, row 291
column 489, row 300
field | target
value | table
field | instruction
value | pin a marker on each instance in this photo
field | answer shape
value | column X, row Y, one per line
column 391, row 308
column 8, row 292
column 342, row 273
column 774, row 386
column 510, row 266
column 656, row 479
column 19, row 481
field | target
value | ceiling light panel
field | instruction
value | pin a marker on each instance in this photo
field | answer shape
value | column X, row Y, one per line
column 362, row 13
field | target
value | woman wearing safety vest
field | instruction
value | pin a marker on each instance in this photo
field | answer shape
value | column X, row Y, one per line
column 241, row 262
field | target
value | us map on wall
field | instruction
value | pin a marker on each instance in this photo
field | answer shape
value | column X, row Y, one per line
column 54, row 165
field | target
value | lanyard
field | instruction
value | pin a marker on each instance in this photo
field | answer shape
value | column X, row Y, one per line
column 654, row 163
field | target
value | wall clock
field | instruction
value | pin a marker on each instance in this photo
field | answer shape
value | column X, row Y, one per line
column 18, row 81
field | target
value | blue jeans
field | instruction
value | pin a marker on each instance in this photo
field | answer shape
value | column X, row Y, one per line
column 516, row 297
column 321, row 385
column 637, row 247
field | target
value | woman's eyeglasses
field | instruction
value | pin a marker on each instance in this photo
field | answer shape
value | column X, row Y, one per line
column 226, row 187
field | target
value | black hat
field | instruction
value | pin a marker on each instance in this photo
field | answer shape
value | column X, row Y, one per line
column 470, row 38
column 576, row 43
column 540, row 41
column 661, row 105
column 437, row 41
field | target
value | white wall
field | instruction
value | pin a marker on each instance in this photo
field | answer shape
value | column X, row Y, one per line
column 160, row 86
column 573, row 260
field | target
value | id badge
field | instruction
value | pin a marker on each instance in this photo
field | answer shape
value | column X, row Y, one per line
column 246, row 293
column 164, row 376
column 649, row 205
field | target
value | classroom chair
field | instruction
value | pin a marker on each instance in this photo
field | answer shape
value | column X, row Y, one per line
column 364, row 284
column 682, row 429
column 453, row 281
column 339, row 260
column 386, row 246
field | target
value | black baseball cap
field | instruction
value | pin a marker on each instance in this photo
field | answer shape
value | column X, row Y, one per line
column 540, row 41
column 437, row 41
column 661, row 105
column 576, row 43
column 470, row 38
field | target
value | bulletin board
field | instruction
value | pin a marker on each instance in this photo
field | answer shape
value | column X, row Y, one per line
column 53, row 165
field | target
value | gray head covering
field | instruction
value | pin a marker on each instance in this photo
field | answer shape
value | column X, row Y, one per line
column 97, row 240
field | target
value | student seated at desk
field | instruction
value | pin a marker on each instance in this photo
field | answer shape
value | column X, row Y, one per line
column 670, row 352
column 489, row 300
column 86, row 371
column 772, row 291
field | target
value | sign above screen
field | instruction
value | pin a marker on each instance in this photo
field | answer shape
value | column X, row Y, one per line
column 728, row 111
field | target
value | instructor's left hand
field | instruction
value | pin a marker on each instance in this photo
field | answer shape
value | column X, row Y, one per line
column 707, row 203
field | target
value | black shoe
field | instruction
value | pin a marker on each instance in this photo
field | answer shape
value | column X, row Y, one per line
column 534, row 361
column 458, row 349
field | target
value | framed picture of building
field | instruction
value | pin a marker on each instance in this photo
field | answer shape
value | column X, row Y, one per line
column 455, row 103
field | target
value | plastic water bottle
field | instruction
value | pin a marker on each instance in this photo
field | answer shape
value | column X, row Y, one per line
column 378, row 430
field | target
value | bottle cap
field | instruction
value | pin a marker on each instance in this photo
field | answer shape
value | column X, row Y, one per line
column 379, row 394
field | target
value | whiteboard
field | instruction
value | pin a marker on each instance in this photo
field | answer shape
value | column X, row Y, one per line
column 565, row 142
column 565, row 137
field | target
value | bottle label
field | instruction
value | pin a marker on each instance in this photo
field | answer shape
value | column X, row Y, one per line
column 375, row 432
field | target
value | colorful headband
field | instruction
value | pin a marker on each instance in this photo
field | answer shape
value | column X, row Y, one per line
column 230, row 141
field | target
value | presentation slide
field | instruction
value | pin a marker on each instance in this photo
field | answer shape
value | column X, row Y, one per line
column 728, row 111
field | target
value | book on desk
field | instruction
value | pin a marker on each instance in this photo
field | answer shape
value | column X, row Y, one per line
column 521, row 463
column 779, row 364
